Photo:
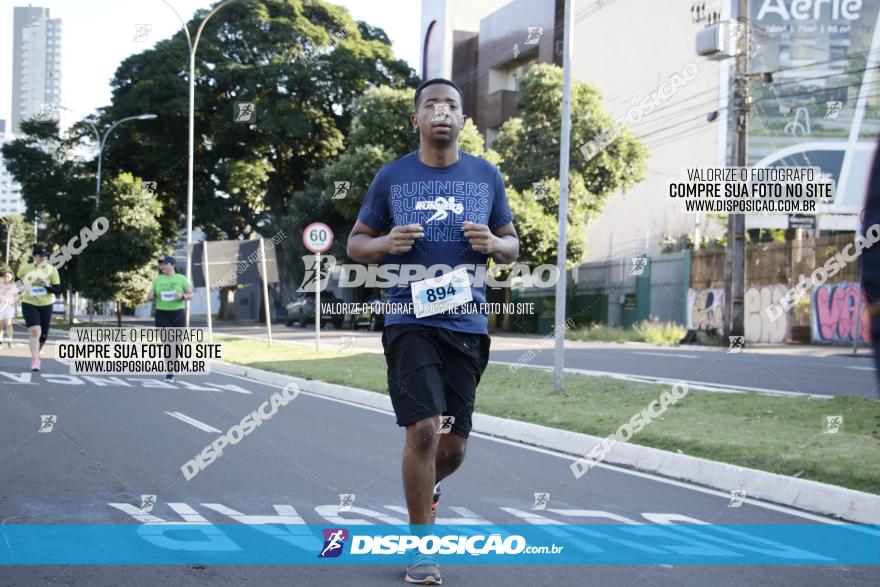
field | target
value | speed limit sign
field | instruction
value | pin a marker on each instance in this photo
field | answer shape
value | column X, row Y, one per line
column 317, row 237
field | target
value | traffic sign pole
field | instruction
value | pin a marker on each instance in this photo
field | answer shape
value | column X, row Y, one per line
column 318, row 303
column 318, row 238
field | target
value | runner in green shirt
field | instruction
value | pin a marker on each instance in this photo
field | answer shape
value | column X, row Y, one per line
column 170, row 290
column 41, row 282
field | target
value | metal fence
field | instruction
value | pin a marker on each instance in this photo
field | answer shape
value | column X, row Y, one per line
column 774, row 263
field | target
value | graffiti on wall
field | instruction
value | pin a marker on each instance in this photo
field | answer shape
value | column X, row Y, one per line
column 759, row 327
column 834, row 314
column 705, row 309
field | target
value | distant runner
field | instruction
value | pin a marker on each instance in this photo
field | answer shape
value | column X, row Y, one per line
column 41, row 283
column 8, row 303
column 170, row 290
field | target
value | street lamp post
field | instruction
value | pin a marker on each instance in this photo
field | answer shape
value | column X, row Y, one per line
column 101, row 141
column 193, row 45
column 101, row 149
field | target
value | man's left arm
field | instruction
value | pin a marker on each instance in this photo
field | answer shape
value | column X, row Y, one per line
column 502, row 244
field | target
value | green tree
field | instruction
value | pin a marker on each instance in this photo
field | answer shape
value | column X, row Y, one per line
column 380, row 133
column 528, row 150
column 120, row 264
column 301, row 62
column 57, row 189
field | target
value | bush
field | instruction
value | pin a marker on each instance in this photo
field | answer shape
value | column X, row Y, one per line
column 600, row 333
column 657, row 332
column 652, row 331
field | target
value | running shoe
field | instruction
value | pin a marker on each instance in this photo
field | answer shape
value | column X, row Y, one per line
column 423, row 570
column 35, row 365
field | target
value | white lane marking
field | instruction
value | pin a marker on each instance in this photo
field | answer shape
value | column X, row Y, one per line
column 661, row 354
column 23, row 378
column 225, row 387
column 193, row 422
column 701, row 385
column 568, row 457
column 862, row 368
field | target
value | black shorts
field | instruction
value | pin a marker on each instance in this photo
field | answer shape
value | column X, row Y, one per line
column 434, row 371
column 170, row 318
column 37, row 316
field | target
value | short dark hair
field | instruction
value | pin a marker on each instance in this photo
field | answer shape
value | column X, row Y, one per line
column 431, row 82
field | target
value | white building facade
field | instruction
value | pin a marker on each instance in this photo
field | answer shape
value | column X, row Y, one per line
column 36, row 66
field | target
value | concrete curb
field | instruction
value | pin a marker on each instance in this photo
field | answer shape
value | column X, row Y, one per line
column 803, row 494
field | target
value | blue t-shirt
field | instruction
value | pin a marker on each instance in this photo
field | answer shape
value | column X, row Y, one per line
column 407, row 191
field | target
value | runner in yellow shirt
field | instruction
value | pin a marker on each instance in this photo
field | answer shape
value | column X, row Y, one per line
column 170, row 290
column 41, row 282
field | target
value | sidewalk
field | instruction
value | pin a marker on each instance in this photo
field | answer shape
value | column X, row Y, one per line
column 807, row 350
column 525, row 341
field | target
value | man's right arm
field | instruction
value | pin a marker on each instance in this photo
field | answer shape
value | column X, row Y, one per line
column 366, row 246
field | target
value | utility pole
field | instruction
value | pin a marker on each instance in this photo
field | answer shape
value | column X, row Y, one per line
column 734, row 271
column 565, row 140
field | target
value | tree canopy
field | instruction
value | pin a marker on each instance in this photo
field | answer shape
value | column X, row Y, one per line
column 330, row 104
column 302, row 63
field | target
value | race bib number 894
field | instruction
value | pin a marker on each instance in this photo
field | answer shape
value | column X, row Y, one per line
column 441, row 294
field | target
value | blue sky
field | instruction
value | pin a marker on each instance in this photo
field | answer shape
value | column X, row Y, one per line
column 98, row 35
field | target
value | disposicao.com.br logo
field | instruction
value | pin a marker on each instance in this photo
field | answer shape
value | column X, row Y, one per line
column 320, row 268
column 394, row 544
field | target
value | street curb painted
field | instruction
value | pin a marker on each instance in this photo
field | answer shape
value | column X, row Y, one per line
column 803, row 494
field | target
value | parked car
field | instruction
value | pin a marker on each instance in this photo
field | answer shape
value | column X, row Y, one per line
column 372, row 317
column 301, row 309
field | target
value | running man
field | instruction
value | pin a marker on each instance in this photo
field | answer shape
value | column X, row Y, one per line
column 41, row 282
column 8, row 304
column 170, row 290
column 442, row 206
